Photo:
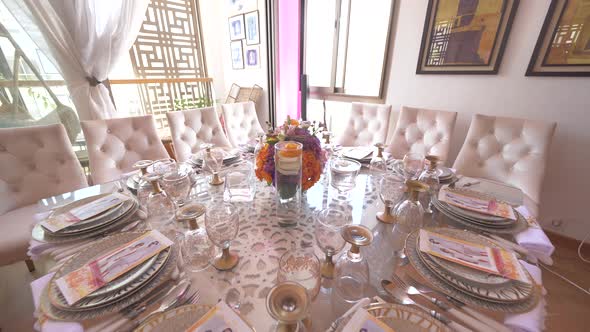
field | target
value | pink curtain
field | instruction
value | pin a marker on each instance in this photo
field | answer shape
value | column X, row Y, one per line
column 288, row 75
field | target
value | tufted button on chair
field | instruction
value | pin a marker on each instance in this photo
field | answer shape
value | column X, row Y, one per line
column 422, row 131
column 192, row 128
column 508, row 150
column 367, row 125
column 114, row 145
column 35, row 163
column 241, row 122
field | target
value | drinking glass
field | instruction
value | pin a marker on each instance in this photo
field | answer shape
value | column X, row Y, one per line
column 160, row 208
column 303, row 267
column 240, row 185
column 391, row 190
column 409, row 214
column 162, row 166
column 351, row 275
column 288, row 303
column 430, row 177
column 222, row 224
column 196, row 248
column 413, row 164
column 177, row 184
column 212, row 162
column 343, row 173
column 144, row 188
column 378, row 166
column 328, row 224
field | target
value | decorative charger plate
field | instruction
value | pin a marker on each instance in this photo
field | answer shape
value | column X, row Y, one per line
column 166, row 273
column 179, row 319
column 400, row 318
column 39, row 233
column 472, row 216
column 109, row 217
column 119, row 288
column 68, row 207
column 453, row 291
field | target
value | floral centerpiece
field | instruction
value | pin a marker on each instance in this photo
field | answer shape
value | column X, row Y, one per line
column 313, row 157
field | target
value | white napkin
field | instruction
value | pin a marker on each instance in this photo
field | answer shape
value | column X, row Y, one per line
column 534, row 320
column 534, row 238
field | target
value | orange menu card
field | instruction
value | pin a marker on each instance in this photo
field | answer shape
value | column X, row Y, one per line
column 104, row 269
column 491, row 260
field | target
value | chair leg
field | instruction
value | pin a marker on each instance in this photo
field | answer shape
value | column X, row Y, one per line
column 30, row 265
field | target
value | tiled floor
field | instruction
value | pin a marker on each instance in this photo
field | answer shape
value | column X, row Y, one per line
column 568, row 309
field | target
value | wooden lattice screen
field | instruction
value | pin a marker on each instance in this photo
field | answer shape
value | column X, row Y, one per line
column 169, row 46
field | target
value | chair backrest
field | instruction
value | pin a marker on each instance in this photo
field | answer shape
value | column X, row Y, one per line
column 241, row 122
column 191, row 128
column 114, row 145
column 508, row 150
column 367, row 125
column 422, row 131
column 35, row 163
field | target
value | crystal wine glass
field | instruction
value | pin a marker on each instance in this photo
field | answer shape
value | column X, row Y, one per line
column 391, row 190
column 343, row 173
column 413, row 164
column 212, row 162
column 144, row 188
column 378, row 166
column 160, row 208
column 430, row 177
column 196, row 248
column 222, row 224
column 288, row 303
column 409, row 214
column 177, row 184
column 301, row 266
column 351, row 275
column 162, row 166
column 328, row 224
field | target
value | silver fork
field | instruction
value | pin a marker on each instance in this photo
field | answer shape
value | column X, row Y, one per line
column 495, row 325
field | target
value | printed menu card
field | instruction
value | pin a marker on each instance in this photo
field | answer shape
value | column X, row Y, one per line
column 83, row 212
column 468, row 202
column 104, row 269
column 363, row 321
column 220, row 318
column 491, row 260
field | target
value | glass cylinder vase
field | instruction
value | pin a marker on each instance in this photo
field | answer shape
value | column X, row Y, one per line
column 288, row 174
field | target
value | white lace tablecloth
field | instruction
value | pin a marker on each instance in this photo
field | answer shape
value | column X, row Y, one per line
column 261, row 242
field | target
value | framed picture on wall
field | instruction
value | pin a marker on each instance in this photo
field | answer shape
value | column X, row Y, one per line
column 236, row 27
column 563, row 46
column 252, row 56
column 465, row 36
column 237, row 58
column 252, row 28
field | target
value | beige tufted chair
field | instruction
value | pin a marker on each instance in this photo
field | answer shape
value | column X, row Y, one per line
column 422, row 131
column 35, row 163
column 192, row 128
column 114, row 145
column 508, row 150
column 367, row 125
column 241, row 122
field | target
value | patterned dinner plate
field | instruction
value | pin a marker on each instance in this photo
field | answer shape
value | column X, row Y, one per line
column 452, row 289
column 68, row 207
column 472, row 216
column 122, row 286
column 400, row 318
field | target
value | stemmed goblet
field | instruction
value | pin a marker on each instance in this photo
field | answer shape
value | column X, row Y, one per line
column 329, row 223
column 196, row 248
column 288, row 303
column 177, row 184
column 413, row 164
column 391, row 190
column 212, row 162
column 222, row 225
column 301, row 266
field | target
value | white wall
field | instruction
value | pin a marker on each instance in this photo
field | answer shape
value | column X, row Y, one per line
column 214, row 21
column 509, row 93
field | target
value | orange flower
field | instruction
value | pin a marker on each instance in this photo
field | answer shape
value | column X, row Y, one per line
column 293, row 122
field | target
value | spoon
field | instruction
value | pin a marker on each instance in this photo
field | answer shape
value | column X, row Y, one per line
column 400, row 296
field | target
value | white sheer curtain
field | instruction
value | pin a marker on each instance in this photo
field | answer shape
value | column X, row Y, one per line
column 87, row 38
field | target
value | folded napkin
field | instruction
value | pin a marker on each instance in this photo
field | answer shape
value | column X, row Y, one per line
column 534, row 320
column 534, row 238
column 108, row 323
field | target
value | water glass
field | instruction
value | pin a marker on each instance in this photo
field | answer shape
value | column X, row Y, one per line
column 343, row 173
column 413, row 164
column 303, row 267
column 240, row 185
column 177, row 184
column 162, row 166
column 328, row 224
column 222, row 225
column 391, row 190
column 212, row 163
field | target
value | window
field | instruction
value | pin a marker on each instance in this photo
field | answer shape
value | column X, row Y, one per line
column 346, row 45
